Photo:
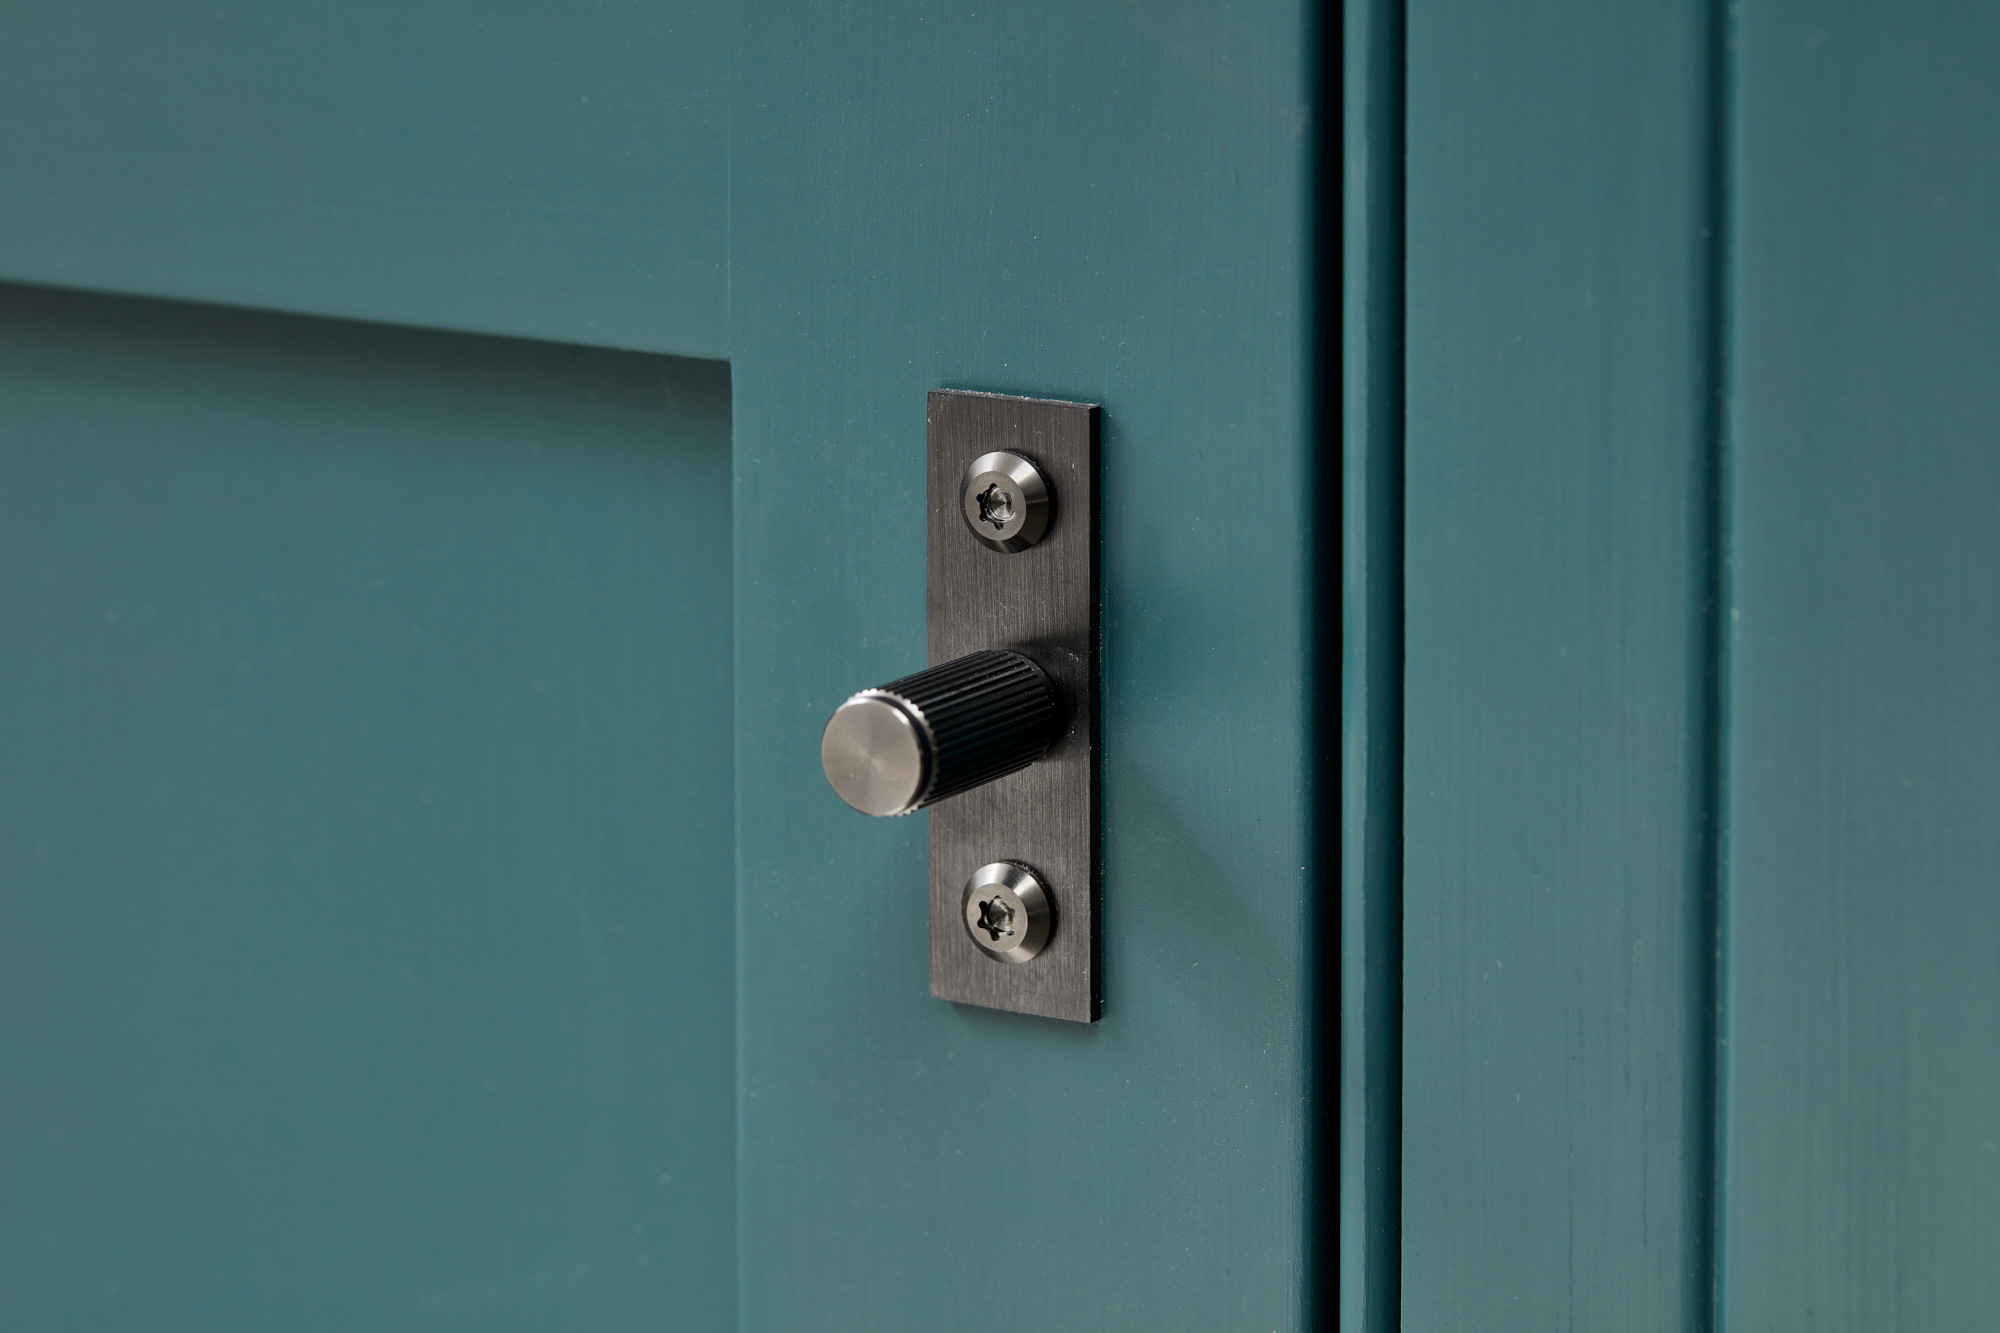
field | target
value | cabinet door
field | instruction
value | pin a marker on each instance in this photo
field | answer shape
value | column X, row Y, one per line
column 453, row 457
column 1860, row 1179
column 1671, row 932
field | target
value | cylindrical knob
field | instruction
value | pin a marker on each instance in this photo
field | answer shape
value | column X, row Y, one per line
column 917, row 740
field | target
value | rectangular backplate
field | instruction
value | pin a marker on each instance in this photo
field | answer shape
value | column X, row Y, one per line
column 1041, row 602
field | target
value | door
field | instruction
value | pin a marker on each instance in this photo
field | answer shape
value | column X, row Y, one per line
column 453, row 458
column 1671, row 927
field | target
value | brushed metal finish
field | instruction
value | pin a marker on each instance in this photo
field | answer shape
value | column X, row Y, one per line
column 1005, row 501
column 1006, row 913
column 1041, row 602
column 876, row 755
column 929, row 736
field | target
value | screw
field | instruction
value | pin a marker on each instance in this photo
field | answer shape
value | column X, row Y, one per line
column 996, row 507
column 1005, row 500
column 1007, row 911
column 996, row 918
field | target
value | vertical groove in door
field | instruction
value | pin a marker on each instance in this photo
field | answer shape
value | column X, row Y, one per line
column 1713, row 839
column 1371, row 553
column 1708, row 836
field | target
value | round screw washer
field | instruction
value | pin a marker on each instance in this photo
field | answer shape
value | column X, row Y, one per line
column 1007, row 912
column 1005, row 500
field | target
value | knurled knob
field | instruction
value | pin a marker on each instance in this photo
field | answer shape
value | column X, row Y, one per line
column 913, row 742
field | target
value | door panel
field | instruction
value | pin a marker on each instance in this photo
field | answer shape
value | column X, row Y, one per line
column 1106, row 200
column 365, row 827
column 1557, row 900
column 554, row 169
column 1862, row 1188
column 1090, row 201
column 1698, row 660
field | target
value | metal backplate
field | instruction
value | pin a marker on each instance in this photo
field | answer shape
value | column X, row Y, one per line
column 1041, row 602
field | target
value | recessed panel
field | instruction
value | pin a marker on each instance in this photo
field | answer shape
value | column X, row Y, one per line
column 365, row 828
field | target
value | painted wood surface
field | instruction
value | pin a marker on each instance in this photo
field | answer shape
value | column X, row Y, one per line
column 557, row 170
column 1862, row 1182
column 1555, row 1089
column 1109, row 201
column 364, row 827
column 1098, row 202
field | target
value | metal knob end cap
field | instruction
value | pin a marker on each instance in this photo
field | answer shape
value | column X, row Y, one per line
column 1005, row 500
column 876, row 755
column 917, row 740
column 1007, row 912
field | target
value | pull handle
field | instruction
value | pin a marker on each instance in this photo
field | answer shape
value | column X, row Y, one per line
column 902, row 746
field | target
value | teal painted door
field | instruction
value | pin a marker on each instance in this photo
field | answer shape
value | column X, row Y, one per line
column 452, row 459
column 1673, row 672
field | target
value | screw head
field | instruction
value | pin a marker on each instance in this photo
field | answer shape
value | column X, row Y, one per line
column 1007, row 912
column 1005, row 501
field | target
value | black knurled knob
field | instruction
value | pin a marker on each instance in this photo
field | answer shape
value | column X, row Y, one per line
column 915, row 741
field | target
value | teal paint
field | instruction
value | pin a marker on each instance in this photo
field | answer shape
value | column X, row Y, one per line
column 556, row 170
column 1862, row 1185
column 1091, row 201
column 1558, row 711
column 364, row 827
column 1109, row 201
column 1371, row 873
